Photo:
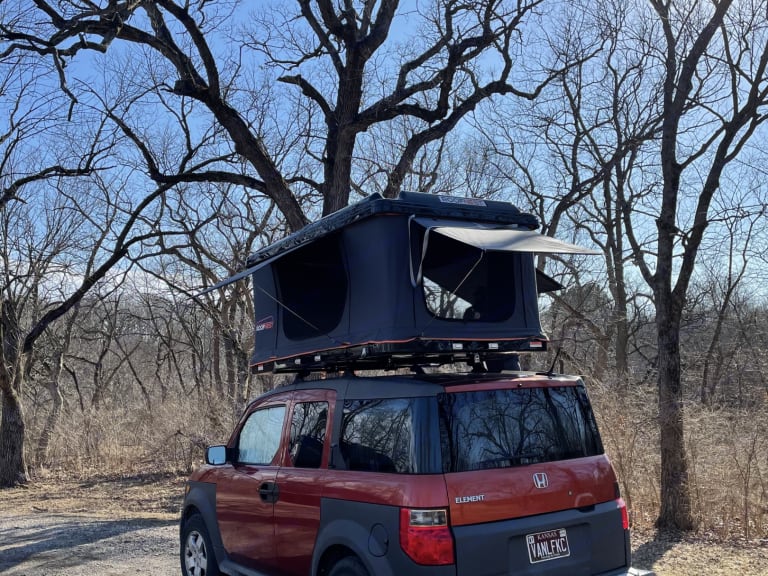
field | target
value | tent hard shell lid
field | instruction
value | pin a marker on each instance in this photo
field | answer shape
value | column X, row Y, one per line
column 421, row 279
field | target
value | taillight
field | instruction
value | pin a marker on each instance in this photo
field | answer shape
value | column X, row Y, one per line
column 624, row 514
column 425, row 536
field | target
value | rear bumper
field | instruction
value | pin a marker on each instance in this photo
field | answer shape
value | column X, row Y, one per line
column 597, row 544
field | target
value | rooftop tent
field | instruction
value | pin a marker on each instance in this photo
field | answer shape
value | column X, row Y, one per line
column 387, row 282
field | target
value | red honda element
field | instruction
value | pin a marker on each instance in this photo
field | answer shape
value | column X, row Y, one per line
column 461, row 475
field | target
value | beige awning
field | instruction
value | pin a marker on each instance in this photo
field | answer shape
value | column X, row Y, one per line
column 488, row 237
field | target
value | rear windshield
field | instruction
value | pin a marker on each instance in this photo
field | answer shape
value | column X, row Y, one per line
column 506, row 428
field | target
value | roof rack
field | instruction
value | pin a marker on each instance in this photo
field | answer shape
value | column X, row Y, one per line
column 391, row 356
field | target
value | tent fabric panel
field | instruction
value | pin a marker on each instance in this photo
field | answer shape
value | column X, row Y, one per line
column 381, row 295
column 545, row 283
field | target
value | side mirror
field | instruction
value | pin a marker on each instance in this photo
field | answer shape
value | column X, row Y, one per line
column 216, row 455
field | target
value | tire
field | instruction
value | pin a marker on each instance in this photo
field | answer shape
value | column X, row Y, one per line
column 349, row 566
column 196, row 551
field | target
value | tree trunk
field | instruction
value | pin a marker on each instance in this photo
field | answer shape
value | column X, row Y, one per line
column 43, row 444
column 13, row 464
column 216, row 351
column 621, row 324
column 230, row 363
column 675, row 512
column 54, row 389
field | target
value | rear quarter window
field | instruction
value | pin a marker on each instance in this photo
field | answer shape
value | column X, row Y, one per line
column 376, row 435
column 394, row 435
column 505, row 428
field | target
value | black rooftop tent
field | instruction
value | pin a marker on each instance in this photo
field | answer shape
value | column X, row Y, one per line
column 413, row 280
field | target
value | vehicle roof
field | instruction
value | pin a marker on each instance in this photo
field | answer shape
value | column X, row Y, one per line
column 414, row 385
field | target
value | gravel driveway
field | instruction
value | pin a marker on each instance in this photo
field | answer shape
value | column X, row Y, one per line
column 62, row 544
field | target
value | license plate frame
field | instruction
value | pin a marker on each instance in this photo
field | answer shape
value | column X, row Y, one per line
column 547, row 545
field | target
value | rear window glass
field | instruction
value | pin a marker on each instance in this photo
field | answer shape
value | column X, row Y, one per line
column 505, row 428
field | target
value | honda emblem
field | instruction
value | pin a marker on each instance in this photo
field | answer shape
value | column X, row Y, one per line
column 540, row 480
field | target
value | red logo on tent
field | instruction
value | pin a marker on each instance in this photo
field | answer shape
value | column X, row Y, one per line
column 265, row 324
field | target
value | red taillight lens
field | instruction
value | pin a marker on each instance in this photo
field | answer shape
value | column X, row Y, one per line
column 425, row 536
column 624, row 513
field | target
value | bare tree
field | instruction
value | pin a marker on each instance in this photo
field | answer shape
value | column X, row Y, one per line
column 330, row 55
column 54, row 252
column 741, row 227
column 713, row 60
column 571, row 149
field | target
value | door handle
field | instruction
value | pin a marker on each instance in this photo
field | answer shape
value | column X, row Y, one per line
column 269, row 492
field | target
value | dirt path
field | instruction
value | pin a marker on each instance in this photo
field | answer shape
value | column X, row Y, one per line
column 128, row 525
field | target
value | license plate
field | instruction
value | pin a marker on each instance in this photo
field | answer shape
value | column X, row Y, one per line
column 548, row 545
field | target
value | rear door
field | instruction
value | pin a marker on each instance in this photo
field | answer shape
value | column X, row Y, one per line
column 301, row 480
column 529, row 487
column 246, row 492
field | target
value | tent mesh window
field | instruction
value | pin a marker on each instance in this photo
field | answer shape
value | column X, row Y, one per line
column 462, row 282
column 312, row 288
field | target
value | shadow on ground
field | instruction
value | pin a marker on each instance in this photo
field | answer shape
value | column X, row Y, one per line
column 67, row 538
column 651, row 551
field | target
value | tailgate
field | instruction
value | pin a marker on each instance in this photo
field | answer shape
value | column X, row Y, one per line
column 529, row 487
column 481, row 496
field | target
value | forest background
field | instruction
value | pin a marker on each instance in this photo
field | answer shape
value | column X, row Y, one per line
column 147, row 147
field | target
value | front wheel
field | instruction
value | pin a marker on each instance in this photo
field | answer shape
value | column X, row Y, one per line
column 349, row 566
column 197, row 556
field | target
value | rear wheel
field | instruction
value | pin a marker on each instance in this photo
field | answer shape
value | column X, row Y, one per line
column 349, row 566
column 197, row 556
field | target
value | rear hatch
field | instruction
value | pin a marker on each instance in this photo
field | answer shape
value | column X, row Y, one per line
column 529, row 487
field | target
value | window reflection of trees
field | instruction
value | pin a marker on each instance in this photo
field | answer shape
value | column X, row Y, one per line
column 379, row 432
column 308, row 425
column 503, row 428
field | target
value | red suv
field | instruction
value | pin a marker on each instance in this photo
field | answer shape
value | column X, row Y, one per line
column 471, row 474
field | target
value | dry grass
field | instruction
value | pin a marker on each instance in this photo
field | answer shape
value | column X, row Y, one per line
column 127, row 438
column 727, row 451
column 151, row 495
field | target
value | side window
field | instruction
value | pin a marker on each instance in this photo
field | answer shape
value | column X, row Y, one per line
column 260, row 436
column 378, row 435
column 308, row 434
